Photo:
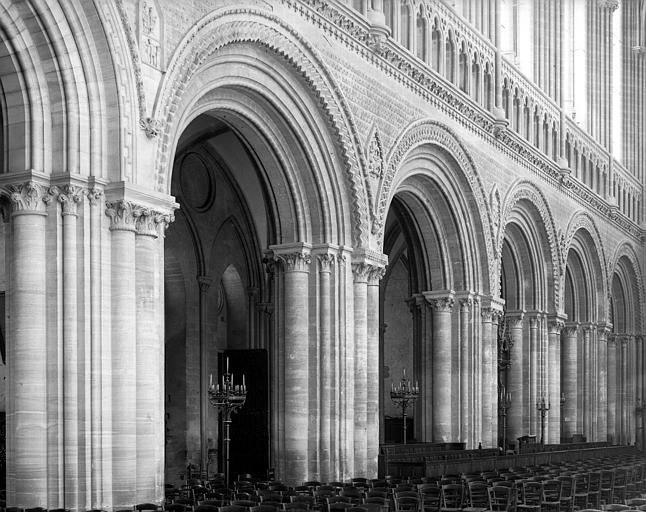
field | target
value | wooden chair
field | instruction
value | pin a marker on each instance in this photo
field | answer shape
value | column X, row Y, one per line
column 551, row 501
column 532, row 496
column 477, row 499
column 500, row 498
column 451, row 498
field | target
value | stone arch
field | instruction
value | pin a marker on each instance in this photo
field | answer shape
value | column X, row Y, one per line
column 224, row 27
column 434, row 134
column 526, row 191
column 55, row 81
column 583, row 225
column 625, row 263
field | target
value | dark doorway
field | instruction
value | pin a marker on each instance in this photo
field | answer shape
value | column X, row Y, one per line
column 249, row 426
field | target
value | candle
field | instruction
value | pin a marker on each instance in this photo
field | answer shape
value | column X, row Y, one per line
column 244, row 387
column 227, row 365
column 211, row 381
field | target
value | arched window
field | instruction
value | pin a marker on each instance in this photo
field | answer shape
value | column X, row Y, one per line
column 421, row 35
column 475, row 81
column 388, row 13
column 404, row 32
column 555, row 142
column 488, row 91
column 537, row 129
column 449, row 68
column 436, row 41
column 528, row 120
column 464, row 71
column 505, row 100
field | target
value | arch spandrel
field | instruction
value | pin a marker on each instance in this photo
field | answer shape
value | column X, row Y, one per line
column 525, row 190
column 227, row 26
column 429, row 132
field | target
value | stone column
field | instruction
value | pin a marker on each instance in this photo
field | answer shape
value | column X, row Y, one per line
column 293, row 350
column 124, row 353
column 569, row 382
column 533, row 356
column 423, row 368
column 586, row 359
column 69, row 197
column 203, row 283
column 621, row 402
column 27, row 349
column 150, row 344
column 515, row 377
column 639, row 391
column 326, row 361
column 374, row 278
column 611, row 362
column 602, row 383
column 488, row 408
column 361, row 272
column 466, row 371
column 493, row 382
column 442, row 303
column 100, row 415
column 556, row 324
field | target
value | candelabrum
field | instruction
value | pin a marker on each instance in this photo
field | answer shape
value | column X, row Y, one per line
column 504, row 404
column 227, row 398
column 404, row 395
column 543, row 408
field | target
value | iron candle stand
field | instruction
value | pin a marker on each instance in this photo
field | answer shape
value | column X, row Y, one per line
column 543, row 408
column 227, row 398
column 404, row 395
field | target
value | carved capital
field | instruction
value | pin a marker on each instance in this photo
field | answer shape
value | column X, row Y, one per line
column 441, row 304
column 375, row 275
column 466, row 304
column 611, row 5
column 122, row 215
column 204, row 282
column 69, row 197
column 361, row 271
column 612, row 340
column 570, row 330
column 298, row 261
column 556, row 325
column 94, row 195
column 28, row 197
column 325, row 262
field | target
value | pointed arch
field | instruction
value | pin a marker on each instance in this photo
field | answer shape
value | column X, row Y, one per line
column 625, row 266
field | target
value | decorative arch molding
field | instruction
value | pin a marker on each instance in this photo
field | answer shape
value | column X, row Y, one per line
column 626, row 250
column 526, row 190
column 64, row 79
column 227, row 26
column 431, row 132
column 583, row 220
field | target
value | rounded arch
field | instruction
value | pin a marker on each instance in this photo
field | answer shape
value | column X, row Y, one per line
column 626, row 271
column 224, row 28
column 583, row 236
column 525, row 200
column 55, row 78
column 430, row 139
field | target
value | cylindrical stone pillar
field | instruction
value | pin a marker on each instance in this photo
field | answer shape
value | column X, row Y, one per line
column 442, row 303
column 554, row 381
column 124, row 353
column 602, row 384
column 69, row 197
column 360, row 271
column 569, row 384
column 27, row 350
column 534, row 393
column 488, row 408
column 515, row 377
column 149, row 414
column 493, row 383
column 611, row 361
column 325, row 262
column 373, row 372
column 466, row 420
column 587, row 383
column 295, row 389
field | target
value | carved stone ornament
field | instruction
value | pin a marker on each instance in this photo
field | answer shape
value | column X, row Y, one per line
column 94, row 195
column 147, row 221
column 612, row 5
column 69, row 197
column 150, row 33
column 298, row 261
column 325, row 261
column 122, row 215
column 151, row 127
column 375, row 157
column 29, row 197
column 442, row 304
